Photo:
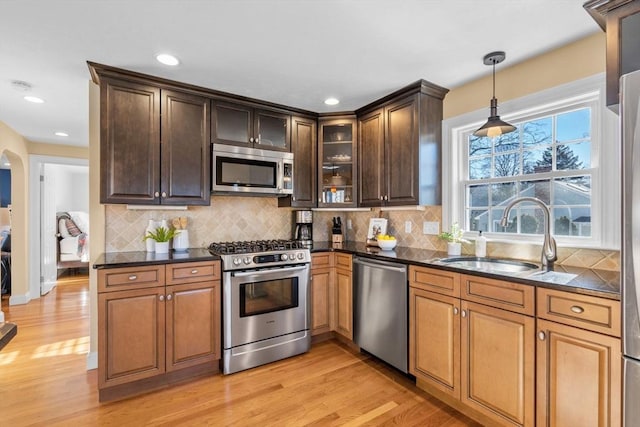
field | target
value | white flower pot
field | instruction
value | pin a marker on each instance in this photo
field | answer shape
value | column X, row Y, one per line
column 453, row 248
column 162, row 247
column 181, row 241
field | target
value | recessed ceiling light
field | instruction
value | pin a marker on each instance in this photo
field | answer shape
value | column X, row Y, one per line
column 34, row 99
column 331, row 101
column 167, row 59
column 61, row 134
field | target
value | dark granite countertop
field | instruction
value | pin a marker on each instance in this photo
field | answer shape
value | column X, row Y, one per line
column 601, row 283
column 7, row 332
column 140, row 258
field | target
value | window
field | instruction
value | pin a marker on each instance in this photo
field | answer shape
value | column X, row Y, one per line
column 563, row 152
column 547, row 157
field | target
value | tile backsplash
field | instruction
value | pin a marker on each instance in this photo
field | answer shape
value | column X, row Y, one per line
column 228, row 218
column 232, row 218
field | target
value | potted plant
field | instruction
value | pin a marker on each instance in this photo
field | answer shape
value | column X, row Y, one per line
column 162, row 236
column 454, row 239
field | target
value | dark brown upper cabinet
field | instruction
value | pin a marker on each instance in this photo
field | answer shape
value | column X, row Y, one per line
column 304, row 149
column 621, row 20
column 400, row 148
column 337, row 154
column 154, row 146
column 247, row 126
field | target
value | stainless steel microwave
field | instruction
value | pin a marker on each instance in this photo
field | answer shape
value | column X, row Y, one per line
column 251, row 171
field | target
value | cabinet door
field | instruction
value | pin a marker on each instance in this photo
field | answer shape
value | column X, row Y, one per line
column 304, row 148
column 497, row 374
column 186, row 163
column 434, row 340
column 271, row 130
column 344, row 303
column 371, row 159
column 321, row 285
column 337, row 153
column 131, row 339
column 401, row 152
column 579, row 377
column 193, row 324
column 130, row 142
column 232, row 124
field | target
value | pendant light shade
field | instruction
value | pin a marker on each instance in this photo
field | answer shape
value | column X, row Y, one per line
column 494, row 126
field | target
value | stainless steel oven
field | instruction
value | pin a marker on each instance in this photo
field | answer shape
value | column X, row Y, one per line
column 265, row 305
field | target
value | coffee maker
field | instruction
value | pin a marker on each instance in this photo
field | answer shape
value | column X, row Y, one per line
column 304, row 227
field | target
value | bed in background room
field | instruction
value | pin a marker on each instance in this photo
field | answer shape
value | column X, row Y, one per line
column 73, row 239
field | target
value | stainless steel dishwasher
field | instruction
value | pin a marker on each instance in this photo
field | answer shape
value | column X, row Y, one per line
column 380, row 310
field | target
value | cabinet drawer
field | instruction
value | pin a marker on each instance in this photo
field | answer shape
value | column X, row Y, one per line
column 322, row 260
column 431, row 279
column 343, row 261
column 191, row 272
column 118, row 279
column 583, row 311
column 499, row 293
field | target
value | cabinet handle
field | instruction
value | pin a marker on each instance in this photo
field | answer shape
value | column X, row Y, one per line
column 577, row 309
column 381, row 198
column 258, row 140
column 156, row 194
column 169, row 297
column 542, row 336
column 464, row 313
column 133, row 277
column 164, row 194
column 386, row 197
column 455, row 310
column 161, row 297
column 293, row 198
column 194, row 271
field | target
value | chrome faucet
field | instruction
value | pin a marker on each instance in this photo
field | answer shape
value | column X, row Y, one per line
column 549, row 252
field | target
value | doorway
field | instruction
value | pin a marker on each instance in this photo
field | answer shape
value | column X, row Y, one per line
column 57, row 184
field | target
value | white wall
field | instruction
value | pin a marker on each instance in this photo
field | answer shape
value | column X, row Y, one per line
column 71, row 186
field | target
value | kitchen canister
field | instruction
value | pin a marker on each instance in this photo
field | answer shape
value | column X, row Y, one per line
column 181, row 241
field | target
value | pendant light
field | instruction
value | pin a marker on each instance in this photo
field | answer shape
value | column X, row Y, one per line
column 494, row 126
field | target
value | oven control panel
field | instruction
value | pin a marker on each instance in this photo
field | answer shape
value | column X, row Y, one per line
column 266, row 259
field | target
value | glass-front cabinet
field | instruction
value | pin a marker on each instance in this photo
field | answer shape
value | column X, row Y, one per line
column 336, row 157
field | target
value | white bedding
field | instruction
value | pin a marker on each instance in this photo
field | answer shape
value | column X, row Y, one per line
column 74, row 248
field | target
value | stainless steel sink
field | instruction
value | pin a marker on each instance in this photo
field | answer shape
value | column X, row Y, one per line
column 490, row 265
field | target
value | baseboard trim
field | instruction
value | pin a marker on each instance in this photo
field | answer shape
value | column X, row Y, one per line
column 19, row 299
column 92, row 360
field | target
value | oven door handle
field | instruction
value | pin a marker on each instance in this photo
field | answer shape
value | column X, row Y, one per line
column 278, row 270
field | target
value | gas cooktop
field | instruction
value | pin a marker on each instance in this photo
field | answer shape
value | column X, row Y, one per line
column 260, row 254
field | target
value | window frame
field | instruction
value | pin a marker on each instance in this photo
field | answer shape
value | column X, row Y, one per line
column 605, row 188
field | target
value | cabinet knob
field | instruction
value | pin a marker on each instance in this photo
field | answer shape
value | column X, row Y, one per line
column 251, row 139
column 164, row 194
column 381, row 198
column 169, row 297
column 258, row 140
column 386, row 197
column 542, row 336
column 455, row 310
column 577, row 309
column 156, row 194
column 464, row 313
column 293, row 198
column 194, row 271
column 161, row 297
column 133, row 277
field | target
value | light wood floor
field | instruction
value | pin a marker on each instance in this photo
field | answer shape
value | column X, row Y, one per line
column 43, row 381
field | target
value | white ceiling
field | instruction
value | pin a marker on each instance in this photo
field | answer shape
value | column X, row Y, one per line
column 292, row 52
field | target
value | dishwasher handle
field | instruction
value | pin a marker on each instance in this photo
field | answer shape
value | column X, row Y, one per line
column 393, row 266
